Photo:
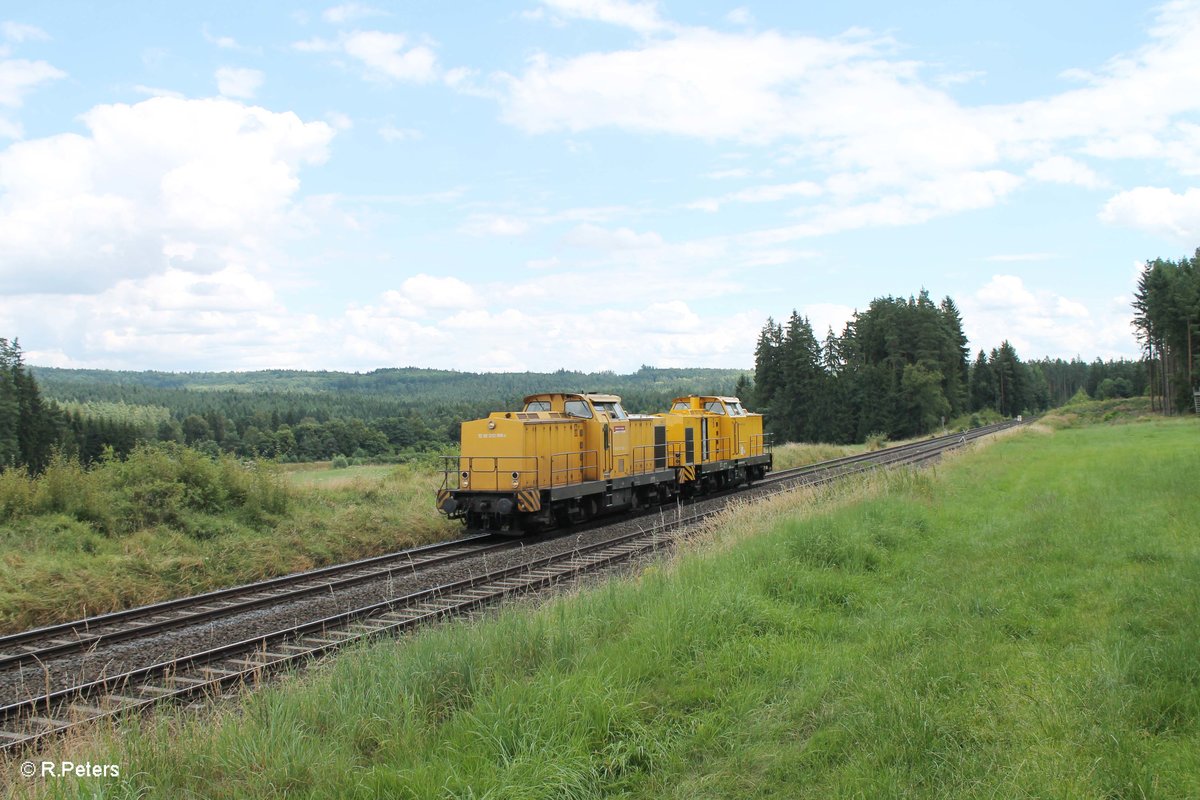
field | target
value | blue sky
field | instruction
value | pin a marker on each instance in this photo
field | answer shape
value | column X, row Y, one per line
column 589, row 184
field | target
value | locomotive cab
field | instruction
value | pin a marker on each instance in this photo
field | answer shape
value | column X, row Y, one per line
column 721, row 438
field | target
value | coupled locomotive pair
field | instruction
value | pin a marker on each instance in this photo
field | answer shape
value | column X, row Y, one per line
column 566, row 458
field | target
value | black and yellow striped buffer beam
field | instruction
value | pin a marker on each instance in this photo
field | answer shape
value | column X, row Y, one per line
column 529, row 500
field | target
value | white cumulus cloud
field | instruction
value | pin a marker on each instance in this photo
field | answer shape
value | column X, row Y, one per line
column 1061, row 169
column 1156, row 210
column 162, row 182
column 1040, row 322
column 239, row 82
column 384, row 56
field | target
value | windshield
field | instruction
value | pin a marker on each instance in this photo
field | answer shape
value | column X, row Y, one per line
column 714, row 407
column 614, row 410
column 578, row 408
column 538, row 405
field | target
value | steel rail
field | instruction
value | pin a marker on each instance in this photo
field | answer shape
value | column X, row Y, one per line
column 914, row 445
column 213, row 670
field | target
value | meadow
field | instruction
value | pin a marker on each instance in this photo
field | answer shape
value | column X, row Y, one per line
column 1020, row 621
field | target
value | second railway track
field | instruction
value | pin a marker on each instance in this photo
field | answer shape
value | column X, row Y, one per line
column 53, row 641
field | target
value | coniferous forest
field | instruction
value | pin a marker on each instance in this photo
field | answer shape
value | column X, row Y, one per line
column 1167, row 318
column 901, row 368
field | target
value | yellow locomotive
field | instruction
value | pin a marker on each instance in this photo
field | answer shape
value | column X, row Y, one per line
column 567, row 457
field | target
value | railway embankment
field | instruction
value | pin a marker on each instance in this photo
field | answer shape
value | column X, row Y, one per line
column 1019, row 621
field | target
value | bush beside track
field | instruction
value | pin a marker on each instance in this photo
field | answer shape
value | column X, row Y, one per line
column 1019, row 623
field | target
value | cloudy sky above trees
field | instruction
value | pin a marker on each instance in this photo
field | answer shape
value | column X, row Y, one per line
column 591, row 184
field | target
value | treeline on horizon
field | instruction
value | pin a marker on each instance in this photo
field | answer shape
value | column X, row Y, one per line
column 1166, row 309
column 902, row 368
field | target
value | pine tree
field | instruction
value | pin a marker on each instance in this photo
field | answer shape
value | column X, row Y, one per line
column 983, row 384
column 10, row 406
column 954, row 358
column 768, row 377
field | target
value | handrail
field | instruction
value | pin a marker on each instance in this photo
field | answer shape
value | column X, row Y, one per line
column 495, row 469
column 764, row 443
column 583, row 465
column 717, row 453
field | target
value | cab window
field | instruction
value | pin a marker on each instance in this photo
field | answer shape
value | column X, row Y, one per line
column 714, row 407
column 538, row 405
column 736, row 410
column 680, row 406
column 613, row 410
column 578, row 408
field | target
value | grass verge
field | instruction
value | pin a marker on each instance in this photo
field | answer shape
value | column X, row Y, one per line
column 1021, row 623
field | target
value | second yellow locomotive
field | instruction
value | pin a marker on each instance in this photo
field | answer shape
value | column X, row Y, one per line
column 568, row 457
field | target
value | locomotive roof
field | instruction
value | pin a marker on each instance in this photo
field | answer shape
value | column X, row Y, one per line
column 707, row 397
column 593, row 397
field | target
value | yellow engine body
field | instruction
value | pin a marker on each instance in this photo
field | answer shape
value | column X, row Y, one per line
column 705, row 429
column 576, row 438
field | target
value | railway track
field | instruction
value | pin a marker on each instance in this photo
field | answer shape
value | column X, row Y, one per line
column 885, row 457
column 41, row 644
column 212, row 671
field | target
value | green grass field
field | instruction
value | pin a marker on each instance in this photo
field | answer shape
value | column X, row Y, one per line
column 1022, row 622
column 320, row 475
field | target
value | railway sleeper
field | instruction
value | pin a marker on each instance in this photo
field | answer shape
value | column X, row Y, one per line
column 185, row 680
column 217, row 672
column 121, row 700
column 273, row 656
column 47, row 723
column 317, row 642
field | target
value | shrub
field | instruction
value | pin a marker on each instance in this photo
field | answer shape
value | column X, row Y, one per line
column 16, row 494
column 67, row 488
column 158, row 484
column 340, row 462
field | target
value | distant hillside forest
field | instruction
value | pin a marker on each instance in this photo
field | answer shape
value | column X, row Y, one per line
column 902, row 368
column 897, row 369
column 309, row 416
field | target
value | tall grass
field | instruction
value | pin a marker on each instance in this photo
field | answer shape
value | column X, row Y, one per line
column 170, row 521
column 1020, row 624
